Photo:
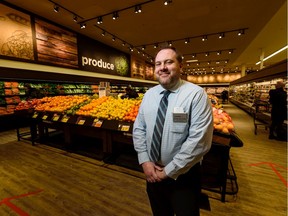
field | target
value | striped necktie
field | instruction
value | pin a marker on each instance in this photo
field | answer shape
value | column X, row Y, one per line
column 158, row 129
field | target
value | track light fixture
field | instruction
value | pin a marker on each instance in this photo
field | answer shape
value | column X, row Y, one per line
column 99, row 20
column 169, row 43
column 166, row 2
column 82, row 25
column 115, row 15
column 207, row 54
column 138, row 9
column 221, row 35
column 75, row 18
column 204, row 38
column 103, row 33
column 155, row 46
column 241, row 32
column 187, row 40
column 218, row 52
column 56, row 8
column 143, row 47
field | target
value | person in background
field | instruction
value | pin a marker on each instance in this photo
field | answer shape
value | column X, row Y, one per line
column 130, row 93
column 224, row 96
column 173, row 175
column 278, row 100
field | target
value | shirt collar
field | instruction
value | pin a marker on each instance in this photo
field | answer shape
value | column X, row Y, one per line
column 173, row 90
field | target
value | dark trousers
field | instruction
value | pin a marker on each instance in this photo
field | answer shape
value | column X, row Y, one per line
column 180, row 197
column 277, row 123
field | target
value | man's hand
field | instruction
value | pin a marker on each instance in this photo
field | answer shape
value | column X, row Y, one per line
column 151, row 171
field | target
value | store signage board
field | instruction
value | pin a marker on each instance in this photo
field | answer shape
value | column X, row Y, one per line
column 97, row 57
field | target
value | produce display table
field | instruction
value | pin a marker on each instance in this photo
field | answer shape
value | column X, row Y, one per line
column 217, row 166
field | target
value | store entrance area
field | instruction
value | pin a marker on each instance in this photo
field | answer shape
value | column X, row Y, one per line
column 47, row 180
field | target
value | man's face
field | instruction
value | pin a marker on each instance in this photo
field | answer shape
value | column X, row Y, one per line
column 167, row 68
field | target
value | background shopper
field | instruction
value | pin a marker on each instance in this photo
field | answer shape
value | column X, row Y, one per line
column 278, row 100
column 173, row 179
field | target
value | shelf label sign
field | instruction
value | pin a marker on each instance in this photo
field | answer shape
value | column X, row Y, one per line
column 97, row 123
column 81, row 121
column 123, row 127
column 65, row 119
column 56, row 117
column 35, row 115
column 44, row 117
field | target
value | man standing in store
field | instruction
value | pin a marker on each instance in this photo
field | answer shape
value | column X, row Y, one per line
column 278, row 100
column 171, row 134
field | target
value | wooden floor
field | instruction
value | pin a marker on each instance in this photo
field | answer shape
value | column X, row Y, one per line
column 44, row 181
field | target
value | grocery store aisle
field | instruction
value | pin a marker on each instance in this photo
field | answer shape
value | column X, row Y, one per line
column 42, row 180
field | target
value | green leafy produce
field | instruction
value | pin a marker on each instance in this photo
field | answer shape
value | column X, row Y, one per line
column 121, row 65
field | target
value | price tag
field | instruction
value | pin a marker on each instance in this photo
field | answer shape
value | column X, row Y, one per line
column 81, row 122
column 35, row 115
column 44, row 117
column 65, row 119
column 56, row 117
column 124, row 127
column 97, row 123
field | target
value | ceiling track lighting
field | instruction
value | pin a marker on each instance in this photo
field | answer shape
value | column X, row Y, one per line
column 113, row 38
column 82, row 25
column 103, row 33
column 99, row 20
column 56, row 8
column 138, row 9
column 241, row 32
column 170, row 43
column 143, row 47
column 115, row 15
column 221, row 35
column 205, row 38
column 155, row 46
column 167, row 2
column 187, row 40
column 75, row 18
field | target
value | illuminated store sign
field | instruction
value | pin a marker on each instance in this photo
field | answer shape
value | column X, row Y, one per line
column 97, row 57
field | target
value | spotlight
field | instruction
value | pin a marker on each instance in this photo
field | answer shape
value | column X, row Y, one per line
column 219, row 53
column 113, row 38
column 170, row 43
column 230, row 51
column 131, row 49
column 75, row 18
column 103, row 33
column 204, row 38
column 56, row 8
column 221, row 35
column 143, row 48
column 166, row 2
column 241, row 32
column 115, row 15
column 82, row 25
column 155, row 46
column 193, row 55
column 207, row 54
column 99, row 20
column 138, row 9
column 123, row 44
column 187, row 40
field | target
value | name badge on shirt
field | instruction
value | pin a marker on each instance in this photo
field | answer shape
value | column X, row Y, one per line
column 179, row 115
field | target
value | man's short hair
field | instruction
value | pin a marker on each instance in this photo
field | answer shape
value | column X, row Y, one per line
column 179, row 56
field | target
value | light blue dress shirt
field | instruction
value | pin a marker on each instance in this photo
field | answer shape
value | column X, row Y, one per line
column 185, row 141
